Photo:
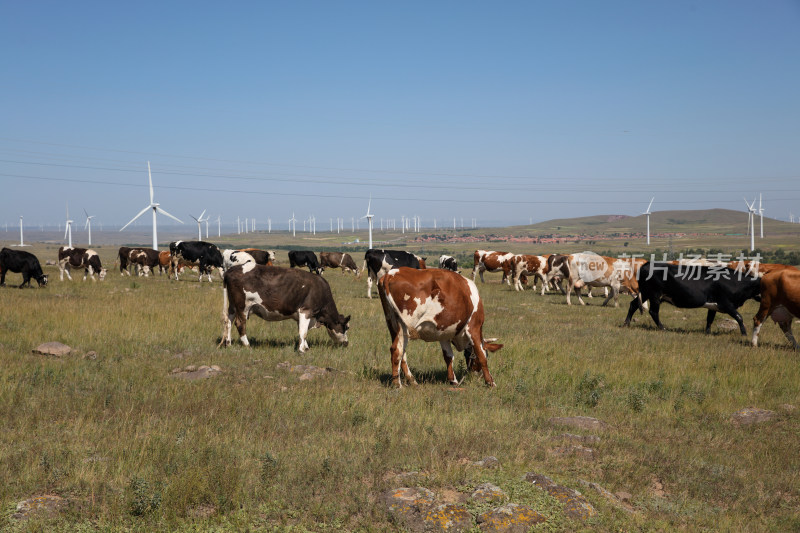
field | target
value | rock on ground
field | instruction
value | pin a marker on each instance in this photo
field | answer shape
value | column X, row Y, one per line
column 751, row 415
column 192, row 372
column 510, row 518
column 488, row 492
column 56, row 349
column 47, row 504
column 575, row 505
column 581, row 422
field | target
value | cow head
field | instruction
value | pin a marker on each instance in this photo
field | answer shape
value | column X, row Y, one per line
column 102, row 274
column 338, row 329
column 42, row 280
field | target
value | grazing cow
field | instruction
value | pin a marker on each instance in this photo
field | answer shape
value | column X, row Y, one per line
column 231, row 258
column 447, row 262
column 487, row 260
column 528, row 264
column 557, row 271
column 592, row 270
column 305, row 258
column 144, row 259
column 275, row 293
column 24, row 263
column 379, row 262
column 758, row 269
column 164, row 262
column 341, row 260
column 780, row 299
column 204, row 255
column 436, row 305
column 123, row 257
column 87, row 259
column 261, row 257
column 715, row 288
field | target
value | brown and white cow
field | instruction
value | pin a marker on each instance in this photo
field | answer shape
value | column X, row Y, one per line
column 522, row 264
column 780, row 299
column 757, row 269
column 436, row 305
column 275, row 293
column 591, row 270
column 261, row 257
column 164, row 262
column 341, row 260
column 145, row 260
column 487, row 260
column 87, row 259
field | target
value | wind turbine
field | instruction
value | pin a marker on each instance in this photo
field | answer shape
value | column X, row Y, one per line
column 21, row 240
column 647, row 212
column 369, row 216
column 200, row 221
column 88, row 225
column 156, row 209
column 751, row 222
column 219, row 225
column 68, row 230
column 761, row 215
column 293, row 224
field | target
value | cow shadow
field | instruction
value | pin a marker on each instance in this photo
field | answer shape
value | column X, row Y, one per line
column 432, row 377
column 262, row 343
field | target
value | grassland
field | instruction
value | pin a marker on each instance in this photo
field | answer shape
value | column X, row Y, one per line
column 135, row 449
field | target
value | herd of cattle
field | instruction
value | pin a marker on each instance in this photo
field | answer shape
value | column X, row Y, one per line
column 439, row 304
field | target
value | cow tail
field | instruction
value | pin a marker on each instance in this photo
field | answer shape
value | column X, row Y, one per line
column 363, row 268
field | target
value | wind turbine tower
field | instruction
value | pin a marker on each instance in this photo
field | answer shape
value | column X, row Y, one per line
column 88, row 225
column 21, row 239
column 293, row 224
column 751, row 222
column 156, row 209
column 68, row 231
column 369, row 216
column 200, row 221
column 647, row 213
column 761, row 215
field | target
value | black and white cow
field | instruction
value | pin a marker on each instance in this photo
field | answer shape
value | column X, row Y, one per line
column 447, row 262
column 231, row 258
column 84, row 258
column 275, row 293
column 713, row 288
column 379, row 262
column 305, row 258
column 204, row 255
column 22, row 262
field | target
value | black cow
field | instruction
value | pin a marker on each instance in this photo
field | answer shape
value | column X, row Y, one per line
column 85, row 258
column 21, row 262
column 714, row 288
column 123, row 256
column 204, row 255
column 275, row 293
column 448, row 263
column 307, row 258
column 379, row 262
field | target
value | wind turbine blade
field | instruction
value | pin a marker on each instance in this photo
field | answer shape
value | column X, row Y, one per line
column 201, row 215
column 66, row 230
column 87, row 223
column 150, row 177
column 194, row 218
column 142, row 212
column 651, row 204
column 167, row 214
column 87, row 214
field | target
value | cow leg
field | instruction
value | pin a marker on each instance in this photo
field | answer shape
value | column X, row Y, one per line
column 369, row 285
column 655, row 305
column 479, row 354
column 241, row 326
column 635, row 304
column 398, row 354
column 710, row 319
column 2, row 277
column 303, row 322
column 447, row 353
column 761, row 316
column 227, row 318
column 786, row 326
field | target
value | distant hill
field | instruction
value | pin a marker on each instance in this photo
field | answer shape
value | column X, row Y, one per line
column 723, row 221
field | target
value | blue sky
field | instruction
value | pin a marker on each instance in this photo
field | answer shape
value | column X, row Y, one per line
column 502, row 111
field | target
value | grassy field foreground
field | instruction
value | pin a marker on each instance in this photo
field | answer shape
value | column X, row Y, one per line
column 132, row 447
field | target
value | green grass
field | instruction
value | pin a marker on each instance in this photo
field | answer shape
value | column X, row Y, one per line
column 135, row 449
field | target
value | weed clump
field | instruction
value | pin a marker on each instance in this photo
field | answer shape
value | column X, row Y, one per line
column 143, row 498
column 590, row 389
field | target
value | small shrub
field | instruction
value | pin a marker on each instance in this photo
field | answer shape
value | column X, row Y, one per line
column 590, row 389
column 269, row 465
column 635, row 400
column 142, row 497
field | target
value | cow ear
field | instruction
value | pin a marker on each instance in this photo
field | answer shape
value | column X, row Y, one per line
column 347, row 319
